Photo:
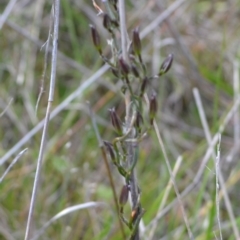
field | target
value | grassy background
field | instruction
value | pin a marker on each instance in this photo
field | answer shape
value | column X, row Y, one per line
column 204, row 38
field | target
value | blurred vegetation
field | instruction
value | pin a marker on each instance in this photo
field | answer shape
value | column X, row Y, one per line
column 204, row 38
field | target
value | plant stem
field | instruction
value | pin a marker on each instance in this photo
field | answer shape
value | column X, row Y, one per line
column 108, row 171
column 47, row 117
column 131, row 147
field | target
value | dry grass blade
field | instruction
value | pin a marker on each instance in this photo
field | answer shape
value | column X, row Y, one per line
column 12, row 164
column 65, row 212
column 45, row 66
column 6, row 108
column 173, row 7
column 204, row 161
column 164, row 199
column 218, row 173
column 45, row 129
column 217, row 187
column 179, row 198
column 7, row 12
column 236, row 96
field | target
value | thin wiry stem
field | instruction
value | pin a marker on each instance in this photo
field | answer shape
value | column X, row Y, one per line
column 12, row 164
column 47, row 117
column 65, row 212
column 217, row 187
column 179, row 198
column 236, row 117
column 132, row 148
column 6, row 108
column 220, row 177
column 123, row 29
column 6, row 13
column 165, row 196
column 100, row 143
column 45, row 66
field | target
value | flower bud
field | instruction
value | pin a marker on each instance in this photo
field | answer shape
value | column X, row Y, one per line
column 134, row 70
column 139, row 121
column 96, row 39
column 136, row 42
column 107, row 22
column 116, row 122
column 153, row 107
column 143, row 86
column 123, row 196
column 123, row 66
column 110, row 150
column 166, row 65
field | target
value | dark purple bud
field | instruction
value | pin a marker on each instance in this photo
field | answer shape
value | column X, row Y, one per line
column 134, row 70
column 116, row 122
column 96, row 39
column 123, row 196
column 107, row 22
column 139, row 120
column 136, row 42
column 110, row 150
column 166, row 65
column 144, row 86
column 123, row 66
column 153, row 107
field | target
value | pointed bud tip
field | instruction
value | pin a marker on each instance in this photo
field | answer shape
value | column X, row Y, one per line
column 136, row 42
column 166, row 65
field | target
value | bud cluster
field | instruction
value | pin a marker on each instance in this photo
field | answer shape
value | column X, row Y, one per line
column 135, row 80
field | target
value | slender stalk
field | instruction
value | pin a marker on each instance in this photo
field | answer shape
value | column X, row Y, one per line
column 47, row 117
column 45, row 67
column 132, row 148
column 108, row 172
column 219, row 173
column 6, row 108
column 123, row 29
column 12, row 164
column 165, row 196
column 217, row 188
column 179, row 198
